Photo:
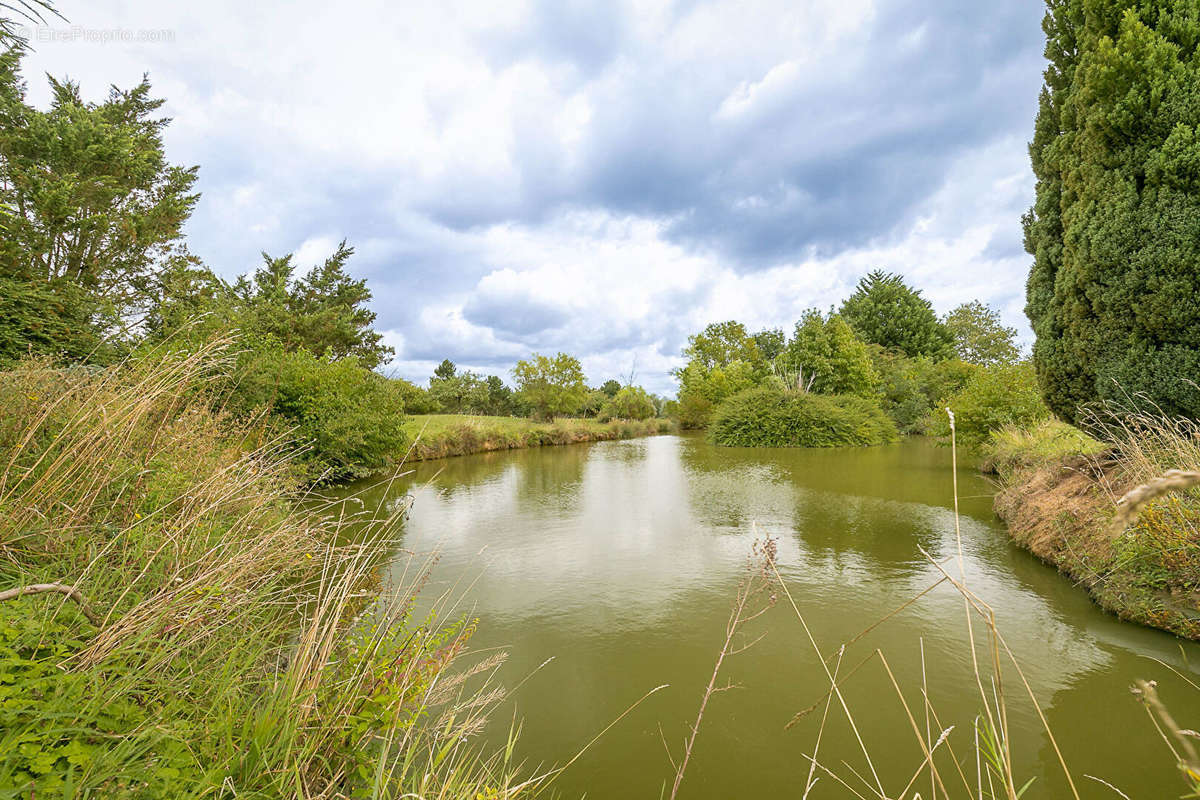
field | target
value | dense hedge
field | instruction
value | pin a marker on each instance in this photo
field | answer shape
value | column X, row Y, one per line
column 771, row 417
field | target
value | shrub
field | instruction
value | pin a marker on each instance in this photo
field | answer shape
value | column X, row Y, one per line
column 770, row 417
column 993, row 398
column 351, row 419
column 1014, row 448
column 909, row 389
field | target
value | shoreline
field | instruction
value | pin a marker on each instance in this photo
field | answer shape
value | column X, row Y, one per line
column 450, row 435
column 1062, row 509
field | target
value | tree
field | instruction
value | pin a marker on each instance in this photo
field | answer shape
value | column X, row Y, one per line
column 1113, row 230
column 632, row 402
column 980, row 337
column 884, row 310
column 325, row 312
column 722, row 360
column 610, row 388
column 461, row 393
column 551, row 386
column 499, row 397
column 446, row 369
column 701, row 389
column 720, row 344
column 89, row 210
column 770, row 343
column 827, row 357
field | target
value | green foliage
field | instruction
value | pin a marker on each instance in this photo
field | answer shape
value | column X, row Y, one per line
column 910, row 389
column 501, row 399
column 351, row 418
column 461, row 393
column 415, row 399
column 722, row 344
column 631, row 402
column 770, row 343
column 89, row 208
column 885, row 311
column 48, row 318
column 723, row 359
column 445, row 370
column 593, row 403
column 827, row 357
column 1116, row 152
column 768, row 416
column 701, row 388
column 995, row 397
column 323, row 312
column 551, row 386
column 610, row 388
column 1015, row 448
column 240, row 648
column 979, row 335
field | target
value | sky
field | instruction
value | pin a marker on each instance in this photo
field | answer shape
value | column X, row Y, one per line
column 600, row 177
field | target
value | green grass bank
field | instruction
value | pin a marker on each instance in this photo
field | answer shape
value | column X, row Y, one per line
column 444, row 435
column 177, row 622
column 1112, row 515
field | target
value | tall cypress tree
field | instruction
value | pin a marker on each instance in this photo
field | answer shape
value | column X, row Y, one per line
column 1114, row 292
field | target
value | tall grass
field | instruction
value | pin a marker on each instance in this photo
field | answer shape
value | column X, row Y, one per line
column 1116, row 509
column 210, row 636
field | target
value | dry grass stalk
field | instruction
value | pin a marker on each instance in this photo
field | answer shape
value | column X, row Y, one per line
column 1133, row 501
column 934, row 734
column 755, row 586
column 126, row 485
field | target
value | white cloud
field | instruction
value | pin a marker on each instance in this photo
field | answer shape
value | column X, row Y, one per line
column 599, row 178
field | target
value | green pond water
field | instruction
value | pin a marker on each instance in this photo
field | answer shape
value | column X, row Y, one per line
column 620, row 560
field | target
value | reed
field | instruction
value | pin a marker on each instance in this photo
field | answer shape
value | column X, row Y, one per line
column 211, row 629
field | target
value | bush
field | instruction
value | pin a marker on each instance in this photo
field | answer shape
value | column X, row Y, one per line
column 351, row 419
column 910, row 389
column 1014, row 449
column 770, row 417
column 992, row 399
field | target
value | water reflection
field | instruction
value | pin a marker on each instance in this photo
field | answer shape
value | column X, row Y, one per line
column 620, row 560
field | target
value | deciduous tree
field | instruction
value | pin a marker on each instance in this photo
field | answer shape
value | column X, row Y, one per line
column 552, row 386
column 979, row 335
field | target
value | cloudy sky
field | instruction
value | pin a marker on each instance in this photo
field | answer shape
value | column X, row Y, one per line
column 602, row 177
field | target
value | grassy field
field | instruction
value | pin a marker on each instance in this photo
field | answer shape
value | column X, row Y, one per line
column 1110, row 514
column 443, row 435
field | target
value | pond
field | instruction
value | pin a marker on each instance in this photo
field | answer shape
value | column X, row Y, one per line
column 621, row 562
